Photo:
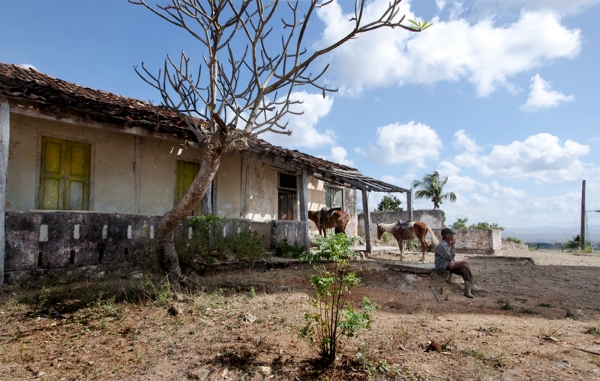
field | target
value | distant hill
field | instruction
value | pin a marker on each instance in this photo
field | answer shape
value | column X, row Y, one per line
column 550, row 234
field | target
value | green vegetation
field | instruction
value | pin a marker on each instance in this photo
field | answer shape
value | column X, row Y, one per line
column 334, row 315
column 389, row 203
column 575, row 244
column 207, row 243
column 432, row 187
column 461, row 224
column 286, row 250
column 485, row 225
column 504, row 304
column 513, row 239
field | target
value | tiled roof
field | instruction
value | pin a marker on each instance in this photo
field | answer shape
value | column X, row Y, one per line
column 57, row 97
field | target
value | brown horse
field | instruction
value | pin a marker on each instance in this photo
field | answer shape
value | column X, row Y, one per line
column 337, row 219
column 417, row 230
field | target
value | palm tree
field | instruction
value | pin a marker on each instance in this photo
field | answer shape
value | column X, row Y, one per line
column 432, row 187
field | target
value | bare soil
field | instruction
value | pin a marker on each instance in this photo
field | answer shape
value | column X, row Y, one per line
column 532, row 321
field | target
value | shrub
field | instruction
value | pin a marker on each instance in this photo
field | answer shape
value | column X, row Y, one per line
column 207, row 243
column 389, row 203
column 460, row 224
column 284, row 249
column 334, row 315
column 513, row 239
column 575, row 244
column 485, row 225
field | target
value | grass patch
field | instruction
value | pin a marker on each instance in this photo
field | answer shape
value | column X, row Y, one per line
column 504, row 304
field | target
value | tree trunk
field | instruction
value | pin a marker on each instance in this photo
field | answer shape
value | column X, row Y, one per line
column 164, row 245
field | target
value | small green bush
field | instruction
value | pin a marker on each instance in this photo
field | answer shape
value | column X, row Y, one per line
column 513, row 239
column 334, row 315
column 284, row 249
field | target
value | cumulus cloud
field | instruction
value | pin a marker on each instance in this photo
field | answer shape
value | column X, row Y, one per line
column 405, row 143
column 560, row 6
column 512, row 207
column 485, row 54
column 470, row 150
column 304, row 133
column 339, row 155
column 542, row 157
column 542, row 97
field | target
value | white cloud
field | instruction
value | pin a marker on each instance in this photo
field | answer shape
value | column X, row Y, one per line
column 339, row 155
column 560, row 6
column 28, row 66
column 304, row 133
column 542, row 157
column 482, row 53
column 469, row 156
column 512, row 207
column 440, row 4
column 542, row 97
column 405, row 143
column 456, row 10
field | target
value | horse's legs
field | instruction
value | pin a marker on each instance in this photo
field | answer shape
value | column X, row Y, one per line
column 401, row 245
column 423, row 246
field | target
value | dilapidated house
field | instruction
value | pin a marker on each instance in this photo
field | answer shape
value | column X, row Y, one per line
column 84, row 172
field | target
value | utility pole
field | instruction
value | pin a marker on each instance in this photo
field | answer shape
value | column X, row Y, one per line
column 582, row 235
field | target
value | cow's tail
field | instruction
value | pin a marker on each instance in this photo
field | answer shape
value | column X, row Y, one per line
column 435, row 240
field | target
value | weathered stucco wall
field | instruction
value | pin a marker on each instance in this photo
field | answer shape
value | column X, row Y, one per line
column 228, row 187
column 38, row 243
column 480, row 241
column 316, row 194
column 114, row 167
column 261, row 198
column 157, row 163
column 293, row 232
column 112, row 183
column 351, row 208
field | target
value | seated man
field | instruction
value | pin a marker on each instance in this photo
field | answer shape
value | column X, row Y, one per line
column 444, row 261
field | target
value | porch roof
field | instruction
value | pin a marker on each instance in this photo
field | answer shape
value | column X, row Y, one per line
column 56, row 97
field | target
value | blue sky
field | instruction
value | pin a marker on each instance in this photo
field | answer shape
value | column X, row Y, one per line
column 501, row 96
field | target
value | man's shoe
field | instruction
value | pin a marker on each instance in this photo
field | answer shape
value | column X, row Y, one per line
column 468, row 288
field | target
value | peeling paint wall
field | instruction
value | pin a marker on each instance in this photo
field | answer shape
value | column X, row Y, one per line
column 261, row 196
column 112, row 183
column 49, row 242
column 228, row 186
column 157, row 176
column 476, row 241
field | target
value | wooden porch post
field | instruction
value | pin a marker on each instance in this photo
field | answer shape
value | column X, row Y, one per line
column 409, row 204
column 367, row 220
column 4, row 144
column 303, row 199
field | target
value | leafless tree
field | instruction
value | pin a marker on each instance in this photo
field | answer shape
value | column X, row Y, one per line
column 254, row 57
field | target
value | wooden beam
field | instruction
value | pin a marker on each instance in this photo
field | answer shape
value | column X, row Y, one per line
column 367, row 219
column 4, row 145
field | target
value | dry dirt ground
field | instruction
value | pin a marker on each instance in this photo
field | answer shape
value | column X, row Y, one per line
column 535, row 321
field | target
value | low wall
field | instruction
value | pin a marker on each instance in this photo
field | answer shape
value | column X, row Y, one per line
column 476, row 241
column 293, row 232
column 38, row 243
column 435, row 219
